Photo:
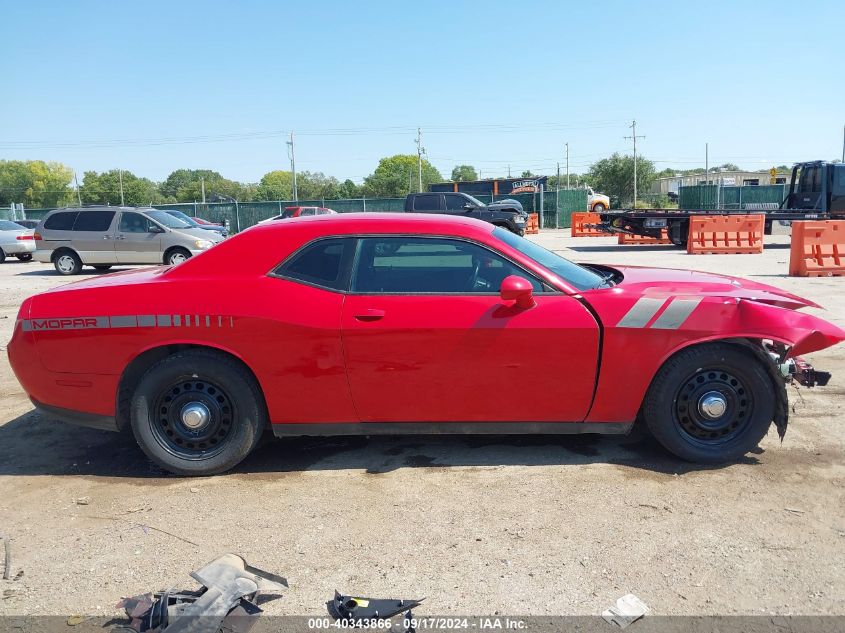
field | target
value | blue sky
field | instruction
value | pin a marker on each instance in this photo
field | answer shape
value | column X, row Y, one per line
column 154, row 86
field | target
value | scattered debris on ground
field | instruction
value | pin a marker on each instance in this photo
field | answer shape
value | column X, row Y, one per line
column 227, row 599
column 627, row 610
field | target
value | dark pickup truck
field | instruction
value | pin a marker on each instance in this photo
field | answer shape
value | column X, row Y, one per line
column 508, row 214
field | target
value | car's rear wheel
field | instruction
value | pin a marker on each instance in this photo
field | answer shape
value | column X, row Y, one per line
column 598, row 207
column 176, row 256
column 24, row 257
column 197, row 413
column 711, row 403
column 67, row 263
column 2, row 256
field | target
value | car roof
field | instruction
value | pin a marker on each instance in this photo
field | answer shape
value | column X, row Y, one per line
column 389, row 222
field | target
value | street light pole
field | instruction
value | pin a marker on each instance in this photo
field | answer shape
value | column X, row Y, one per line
column 634, row 137
column 567, row 165
column 293, row 167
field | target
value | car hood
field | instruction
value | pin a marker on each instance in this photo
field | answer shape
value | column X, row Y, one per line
column 667, row 281
column 201, row 234
column 506, row 205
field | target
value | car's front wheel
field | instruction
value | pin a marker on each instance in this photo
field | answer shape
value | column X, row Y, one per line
column 197, row 413
column 598, row 207
column 711, row 403
column 176, row 256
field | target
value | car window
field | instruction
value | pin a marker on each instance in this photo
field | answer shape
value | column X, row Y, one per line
column 6, row 225
column 133, row 223
column 580, row 277
column 94, row 221
column 309, row 211
column 427, row 202
column 410, row 265
column 455, row 202
column 323, row 263
column 171, row 222
column 289, row 212
column 61, row 221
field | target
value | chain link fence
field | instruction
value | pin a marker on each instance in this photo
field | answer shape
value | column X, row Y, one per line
column 554, row 207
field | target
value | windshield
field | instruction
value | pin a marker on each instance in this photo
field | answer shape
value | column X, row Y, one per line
column 163, row 217
column 183, row 217
column 475, row 201
column 578, row 276
column 5, row 225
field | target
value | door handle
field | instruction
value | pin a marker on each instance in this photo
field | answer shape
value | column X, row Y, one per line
column 370, row 315
column 120, row 237
column 105, row 237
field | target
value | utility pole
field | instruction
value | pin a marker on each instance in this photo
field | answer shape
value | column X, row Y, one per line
column 120, row 178
column 567, row 166
column 557, row 195
column 634, row 137
column 202, row 184
column 509, row 171
column 78, row 196
column 420, row 151
column 843, row 144
column 293, row 167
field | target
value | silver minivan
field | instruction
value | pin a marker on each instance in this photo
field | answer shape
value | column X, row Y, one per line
column 103, row 237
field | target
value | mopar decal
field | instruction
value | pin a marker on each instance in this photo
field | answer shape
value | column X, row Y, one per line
column 126, row 321
column 642, row 312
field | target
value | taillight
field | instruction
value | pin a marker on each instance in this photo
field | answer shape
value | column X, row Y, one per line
column 27, row 237
column 37, row 236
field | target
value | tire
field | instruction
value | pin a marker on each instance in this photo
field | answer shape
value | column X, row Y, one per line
column 225, row 393
column 682, row 413
column 102, row 267
column 176, row 256
column 2, row 256
column 67, row 263
column 598, row 207
column 24, row 257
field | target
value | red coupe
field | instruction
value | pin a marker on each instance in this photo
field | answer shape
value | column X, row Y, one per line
column 388, row 323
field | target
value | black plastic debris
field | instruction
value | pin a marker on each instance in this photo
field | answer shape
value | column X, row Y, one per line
column 227, row 600
column 356, row 610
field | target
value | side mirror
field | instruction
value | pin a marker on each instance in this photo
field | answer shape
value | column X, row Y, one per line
column 517, row 289
column 469, row 206
column 155, row 228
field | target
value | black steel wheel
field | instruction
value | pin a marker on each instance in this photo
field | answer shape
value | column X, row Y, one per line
column 193, row 419
column 710, row 403
column 197, row 412
column 713, row 406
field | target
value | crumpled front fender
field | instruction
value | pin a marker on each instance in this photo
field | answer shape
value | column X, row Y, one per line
column 804, row 333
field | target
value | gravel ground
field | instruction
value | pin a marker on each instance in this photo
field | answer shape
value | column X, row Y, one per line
column 532, row 525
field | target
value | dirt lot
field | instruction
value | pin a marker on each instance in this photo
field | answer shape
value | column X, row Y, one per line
column 537, row 525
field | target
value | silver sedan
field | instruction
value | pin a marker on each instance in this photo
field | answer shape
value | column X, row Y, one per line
column 16, row 240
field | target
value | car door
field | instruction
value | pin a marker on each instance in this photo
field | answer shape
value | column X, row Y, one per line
column 93, row 236
column 138, row 239
column 427, row 338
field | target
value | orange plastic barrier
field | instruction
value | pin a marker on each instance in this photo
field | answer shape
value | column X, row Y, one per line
column 627, row 238
column 578, row 222
column 818, row 249
column 532, row 227
column 716, row 234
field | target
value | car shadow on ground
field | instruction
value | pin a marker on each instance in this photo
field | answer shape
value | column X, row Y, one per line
column 31, row 445
column 616, row 248
column 85, row 272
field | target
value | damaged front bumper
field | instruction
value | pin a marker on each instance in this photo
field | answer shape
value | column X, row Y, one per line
column 802, row 372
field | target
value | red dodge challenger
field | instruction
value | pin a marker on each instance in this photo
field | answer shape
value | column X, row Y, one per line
column 388, row 323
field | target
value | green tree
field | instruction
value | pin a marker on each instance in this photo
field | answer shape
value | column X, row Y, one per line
column 35, row 183
column 317, row 186
column 104, row 188
column 614, row 176
column 395, row 175
column 727, row 167
column 348, row 189
column 185, row 185
column 275, row 185
column 527, row 174
column 464, row 173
